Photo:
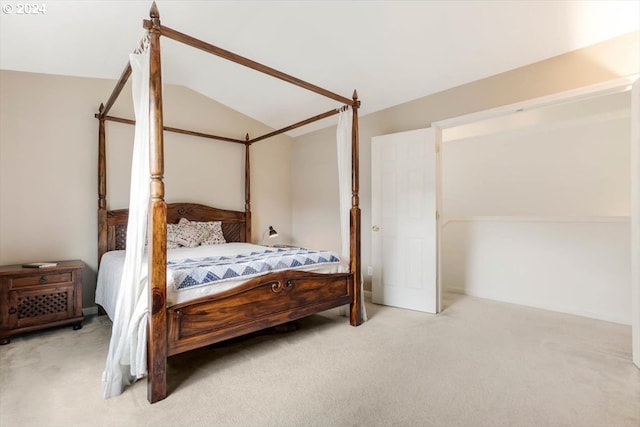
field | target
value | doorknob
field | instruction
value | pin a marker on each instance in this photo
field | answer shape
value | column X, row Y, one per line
column 375, row 228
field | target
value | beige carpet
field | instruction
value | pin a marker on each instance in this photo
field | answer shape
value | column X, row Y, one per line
column 479, row 363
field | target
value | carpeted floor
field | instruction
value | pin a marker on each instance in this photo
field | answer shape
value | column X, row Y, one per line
column 479, row 363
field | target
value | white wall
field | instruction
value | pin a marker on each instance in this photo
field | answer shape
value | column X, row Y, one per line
column 315, row 194
column 539, row 214
column 576, row 267
column 574, row 168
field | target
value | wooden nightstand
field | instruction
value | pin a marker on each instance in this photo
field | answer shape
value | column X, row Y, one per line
column 38, row 298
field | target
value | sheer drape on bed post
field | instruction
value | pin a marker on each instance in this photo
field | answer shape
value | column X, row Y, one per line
column 127, row 359
column 247, row 190
column 157, row 337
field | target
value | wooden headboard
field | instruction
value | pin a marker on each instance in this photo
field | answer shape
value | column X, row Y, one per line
column 114, row 224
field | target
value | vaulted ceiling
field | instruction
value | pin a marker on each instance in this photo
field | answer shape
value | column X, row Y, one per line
column 390, row 51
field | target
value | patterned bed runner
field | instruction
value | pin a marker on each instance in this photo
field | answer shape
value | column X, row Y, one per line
column 192, row 272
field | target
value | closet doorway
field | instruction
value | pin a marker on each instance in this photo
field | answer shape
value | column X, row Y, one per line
column 545, row 211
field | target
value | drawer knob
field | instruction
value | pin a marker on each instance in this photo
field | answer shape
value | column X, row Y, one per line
column 12, row 310
column 42, row 280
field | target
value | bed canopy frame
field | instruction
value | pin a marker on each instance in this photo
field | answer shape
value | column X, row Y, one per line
column 112, row 224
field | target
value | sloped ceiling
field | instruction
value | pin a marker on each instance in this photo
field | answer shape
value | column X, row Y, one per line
column 390, row 51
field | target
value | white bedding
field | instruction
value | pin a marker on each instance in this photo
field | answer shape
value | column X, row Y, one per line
column 112, row 262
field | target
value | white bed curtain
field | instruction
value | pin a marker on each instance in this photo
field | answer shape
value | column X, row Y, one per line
column 343, row 139
column 127, row 358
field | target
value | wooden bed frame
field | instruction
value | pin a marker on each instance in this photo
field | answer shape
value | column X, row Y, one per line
column 262, row 302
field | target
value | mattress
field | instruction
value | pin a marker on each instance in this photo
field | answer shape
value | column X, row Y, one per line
column 112, row 264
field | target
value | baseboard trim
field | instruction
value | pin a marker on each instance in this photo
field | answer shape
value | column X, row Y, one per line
column 90, row 311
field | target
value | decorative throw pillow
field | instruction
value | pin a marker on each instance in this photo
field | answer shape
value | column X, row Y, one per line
column 171, row 236
column 214, row 232
column 189, row 235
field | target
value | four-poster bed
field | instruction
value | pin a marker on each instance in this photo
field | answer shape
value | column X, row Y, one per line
column 261, row 302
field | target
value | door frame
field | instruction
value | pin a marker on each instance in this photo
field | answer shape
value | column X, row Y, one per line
column 621, row 84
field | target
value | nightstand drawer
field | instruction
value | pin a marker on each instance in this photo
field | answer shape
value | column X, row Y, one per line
column 41, row 279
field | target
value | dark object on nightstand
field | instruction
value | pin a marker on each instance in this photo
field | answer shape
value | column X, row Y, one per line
column 38, row 298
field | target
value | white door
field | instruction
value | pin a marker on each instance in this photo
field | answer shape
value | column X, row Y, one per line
column 404, row 170
column 635, row 221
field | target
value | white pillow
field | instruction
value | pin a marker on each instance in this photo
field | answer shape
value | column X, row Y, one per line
column 189, row 235
column 171, row 236
column 214, row 233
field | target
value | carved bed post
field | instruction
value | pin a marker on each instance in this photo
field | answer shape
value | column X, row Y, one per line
column 247, row 190
column 355, row 317
column 102, row 188
column 157, row 333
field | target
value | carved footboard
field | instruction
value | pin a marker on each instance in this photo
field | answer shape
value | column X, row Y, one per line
column 260, row 303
